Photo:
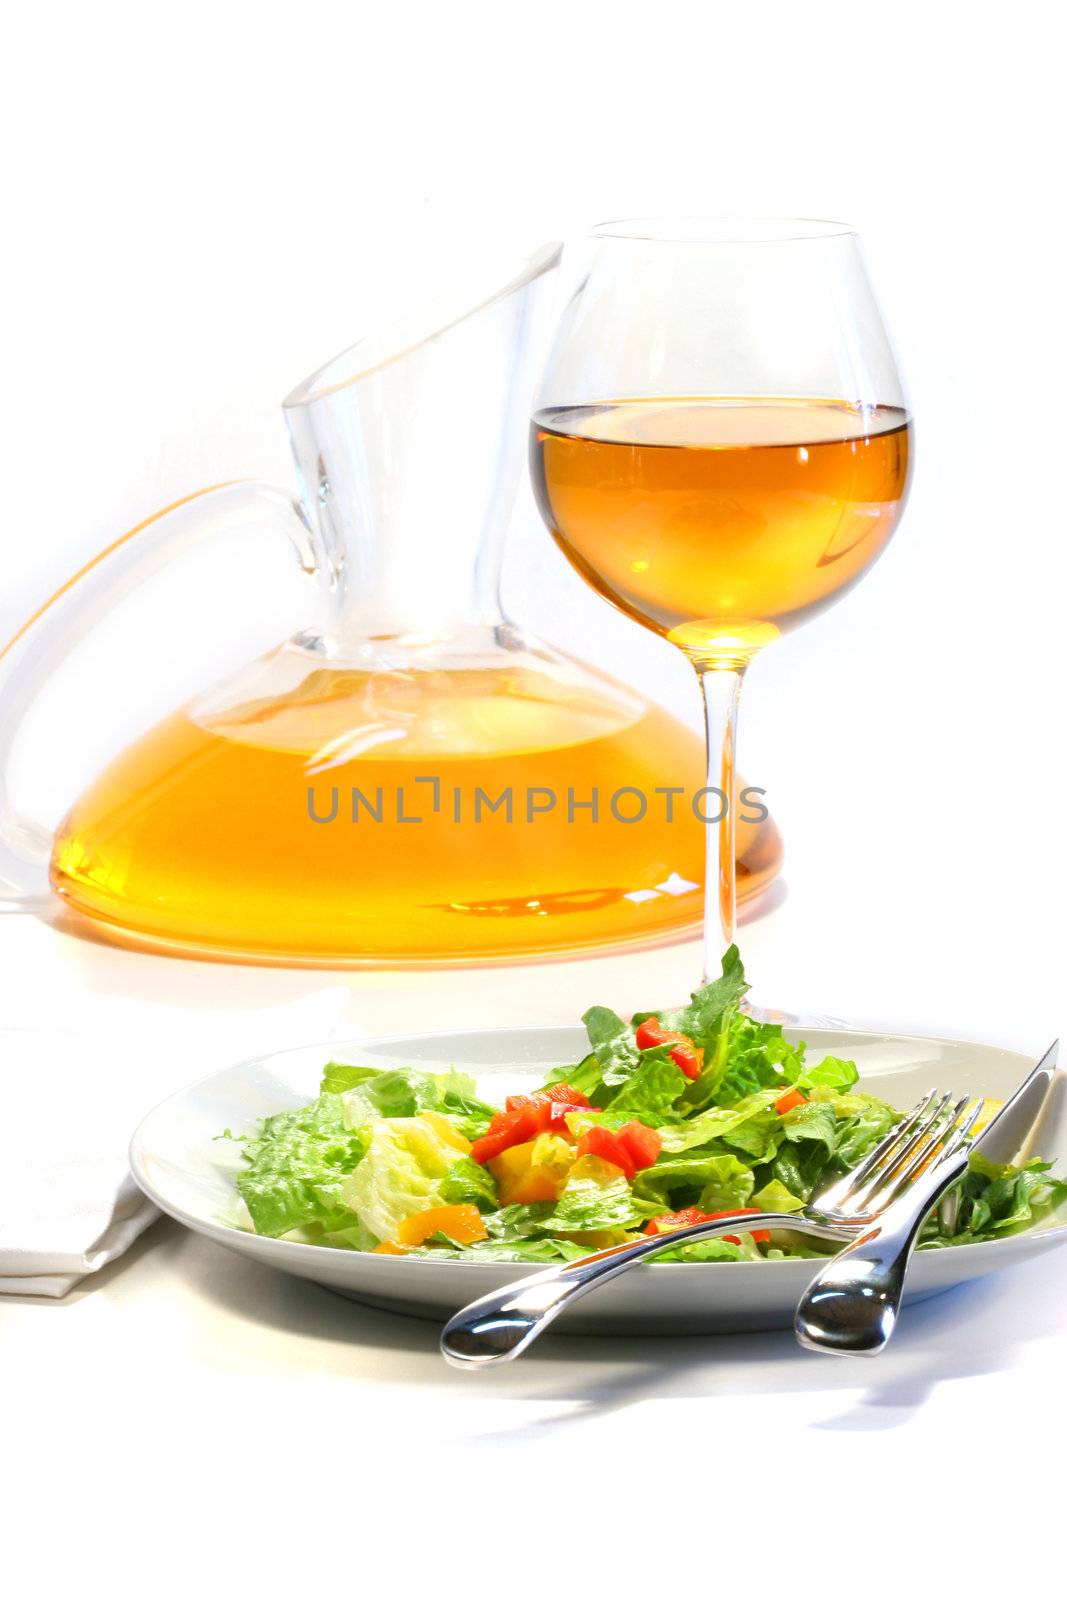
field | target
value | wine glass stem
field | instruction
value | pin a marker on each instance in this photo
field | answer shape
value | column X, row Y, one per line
column 721, row 689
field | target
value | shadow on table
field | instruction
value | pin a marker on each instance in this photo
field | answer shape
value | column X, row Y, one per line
column 587, row 1376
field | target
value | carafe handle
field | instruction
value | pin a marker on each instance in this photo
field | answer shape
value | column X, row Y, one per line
column 49, row 636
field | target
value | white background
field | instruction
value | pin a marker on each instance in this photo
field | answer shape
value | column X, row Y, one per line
column 203, row 203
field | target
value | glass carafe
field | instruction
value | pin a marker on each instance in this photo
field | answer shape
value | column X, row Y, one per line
column 412, row 778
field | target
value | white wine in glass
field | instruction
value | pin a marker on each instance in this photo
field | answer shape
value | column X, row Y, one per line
column 721, row 448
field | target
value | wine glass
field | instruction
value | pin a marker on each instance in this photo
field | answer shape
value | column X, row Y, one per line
column 721, row 448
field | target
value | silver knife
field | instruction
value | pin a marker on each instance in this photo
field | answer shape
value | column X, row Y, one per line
column 1010, row 1135
column 852, row 1305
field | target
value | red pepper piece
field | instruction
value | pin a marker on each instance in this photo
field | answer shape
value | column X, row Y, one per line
column 598, row 1141
column 525, row 1116
column 789, row 1101
column 671, row 1220
column 562, row 1094
column 668, row 1221
column 685, row 1054
column 517, row 1123
column 651, row 1032
column 491, row 1145
column 690, row 1058
column 761, row 1235
column 641, row 1143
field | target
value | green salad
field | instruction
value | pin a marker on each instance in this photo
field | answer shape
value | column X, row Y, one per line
column 671, row 1117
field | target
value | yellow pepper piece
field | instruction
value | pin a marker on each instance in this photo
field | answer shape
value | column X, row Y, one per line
column 462, row 1224
column 532, row 1172
column 989, row 1111
column 447, row 1132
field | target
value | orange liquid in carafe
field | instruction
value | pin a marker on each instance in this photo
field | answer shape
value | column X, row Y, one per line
column 200, row 837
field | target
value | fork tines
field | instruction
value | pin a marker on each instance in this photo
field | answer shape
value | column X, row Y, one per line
column 932, row 1130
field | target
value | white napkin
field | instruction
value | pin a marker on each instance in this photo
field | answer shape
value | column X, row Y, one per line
column 69, row 1102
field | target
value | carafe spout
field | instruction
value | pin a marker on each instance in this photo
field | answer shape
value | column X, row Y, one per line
column 409, row 447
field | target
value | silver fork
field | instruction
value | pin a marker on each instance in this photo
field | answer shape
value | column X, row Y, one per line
column 851, row 1306
column 930, row 1140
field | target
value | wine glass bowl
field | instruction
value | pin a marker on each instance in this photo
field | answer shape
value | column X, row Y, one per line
column 721, row 522
column 721, row 448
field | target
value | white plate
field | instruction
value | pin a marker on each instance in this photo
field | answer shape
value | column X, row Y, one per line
column 177, row 1164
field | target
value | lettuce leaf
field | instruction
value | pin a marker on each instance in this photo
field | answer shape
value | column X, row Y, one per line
column 648, row 1095
column 586, row 1077
column 995, row 1200
column 729, row 1185
column 594, row 1201
column 759, row 1136
column 681, row 1180
column 518, row 1221
column 337, row 1076
column 748, row 1055
column 468, row 1183
column 713, row 1004
column 812, row 1123
column 368, row 1093
column 712, row 1250
column 831, row 1072
column 774, row 1196
column 826, row 1137
column 613, row 1044
column 399, row 1093
column 402, row 1171
column 863, row 1120
column 721, row 1122
column 296, row 1165
column 541, row 1250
